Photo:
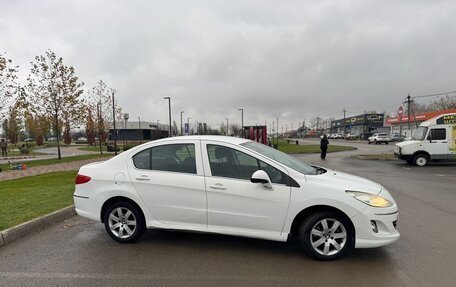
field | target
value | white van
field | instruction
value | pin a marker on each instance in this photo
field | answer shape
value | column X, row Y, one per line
column 434, row 140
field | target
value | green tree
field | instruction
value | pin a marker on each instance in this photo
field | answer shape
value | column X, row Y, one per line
column 55, row 90
column 8, row 83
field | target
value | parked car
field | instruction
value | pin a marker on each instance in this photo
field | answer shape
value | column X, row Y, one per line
column 81, row 140
column 52, row 139
column 378, row 138
column 352, row 136
column 235, row 186
column 338, row 136
column 28, row 140
column 396, row 138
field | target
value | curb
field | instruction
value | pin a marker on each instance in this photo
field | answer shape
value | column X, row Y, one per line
column 11, row 234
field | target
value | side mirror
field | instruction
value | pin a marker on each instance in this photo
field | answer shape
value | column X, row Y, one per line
column 260, row 176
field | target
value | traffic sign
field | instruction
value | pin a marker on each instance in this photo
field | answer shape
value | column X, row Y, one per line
column 400, row 111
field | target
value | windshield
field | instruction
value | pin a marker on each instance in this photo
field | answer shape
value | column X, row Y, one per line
column 281, row 157
column 420, row 133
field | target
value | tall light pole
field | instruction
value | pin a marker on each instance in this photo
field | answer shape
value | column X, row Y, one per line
column 99, row 125
column 182, row 133
column 242, row 121
column 277, row 136
column 114, row 120
column 227, row 128
column 140, row 132
column 188, row 125
column 169, row 113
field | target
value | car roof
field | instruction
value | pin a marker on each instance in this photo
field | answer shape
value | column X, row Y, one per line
column 227, row 139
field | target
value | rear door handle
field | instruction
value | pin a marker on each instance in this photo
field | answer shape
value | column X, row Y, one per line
column 143, row 177
column 218, row 186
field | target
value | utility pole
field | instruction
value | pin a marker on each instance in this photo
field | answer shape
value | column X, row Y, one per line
column 408, row 102
column 277, row 135
column 182, row 133
column 169, row 113
column 99, row 124
column 114, row 121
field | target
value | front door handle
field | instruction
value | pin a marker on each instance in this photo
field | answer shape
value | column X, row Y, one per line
column 218, row 186
column 143, row 177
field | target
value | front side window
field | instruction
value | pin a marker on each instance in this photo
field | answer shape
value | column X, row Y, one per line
column 420, row 133
column 228, row 162
column 173, row 157
column 438, row 134
column 280, row 157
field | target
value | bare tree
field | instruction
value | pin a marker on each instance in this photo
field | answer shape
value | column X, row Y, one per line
column 444, row 103
column 54, row 90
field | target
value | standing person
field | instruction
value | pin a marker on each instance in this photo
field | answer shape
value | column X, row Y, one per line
column 324, row 146
column 4, row 146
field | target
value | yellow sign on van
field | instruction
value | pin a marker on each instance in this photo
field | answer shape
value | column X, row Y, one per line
column 453, row 140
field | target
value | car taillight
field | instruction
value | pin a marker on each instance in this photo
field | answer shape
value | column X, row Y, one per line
column 80, row 179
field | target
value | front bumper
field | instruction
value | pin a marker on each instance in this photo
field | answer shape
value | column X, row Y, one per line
column 384, row 219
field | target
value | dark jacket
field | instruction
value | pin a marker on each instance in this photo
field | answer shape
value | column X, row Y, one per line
column 324, row 143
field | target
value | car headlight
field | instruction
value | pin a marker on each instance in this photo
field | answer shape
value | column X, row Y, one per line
column 370, row 199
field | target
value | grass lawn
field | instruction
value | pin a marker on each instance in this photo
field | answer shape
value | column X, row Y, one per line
column 55, row 160
column 27, row 198
column 309, row 148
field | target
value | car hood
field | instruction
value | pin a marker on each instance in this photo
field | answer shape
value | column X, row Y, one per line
column 345, row 181
column 407, row 142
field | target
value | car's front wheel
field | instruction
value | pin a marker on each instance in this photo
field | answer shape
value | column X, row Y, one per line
column 124, row 222
column 327, row 236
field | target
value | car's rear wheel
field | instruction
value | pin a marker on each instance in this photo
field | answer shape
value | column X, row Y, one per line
column 124, row 222
column 327, row 236
column 420, row 159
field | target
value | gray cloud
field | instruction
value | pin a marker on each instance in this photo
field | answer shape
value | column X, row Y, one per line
column 289, row 59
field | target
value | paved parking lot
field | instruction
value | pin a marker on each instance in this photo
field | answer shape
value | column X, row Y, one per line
column 80, row 253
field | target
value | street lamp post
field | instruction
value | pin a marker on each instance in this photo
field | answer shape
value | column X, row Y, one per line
column 169, row 113
column 227, row 127
column 140, row 132
column 182, row 133
column 188, row 125
column 242, row 121
column 114, row 121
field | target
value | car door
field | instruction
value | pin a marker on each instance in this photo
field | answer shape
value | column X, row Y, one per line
column 235, row 203
column 169, row 179
column 437, row 143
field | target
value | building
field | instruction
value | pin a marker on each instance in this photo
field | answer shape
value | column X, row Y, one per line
column 363, row 125
column 138, row 131
column 394, row 123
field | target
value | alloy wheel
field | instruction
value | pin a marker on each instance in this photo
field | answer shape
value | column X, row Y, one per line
column 328, row 236
column 122, row 222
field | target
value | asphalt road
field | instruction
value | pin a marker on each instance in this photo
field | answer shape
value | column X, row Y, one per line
column 80, row 253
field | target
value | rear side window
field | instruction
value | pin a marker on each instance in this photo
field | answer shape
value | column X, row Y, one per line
column 141, row 160
column 173, row 157
column 438, row 134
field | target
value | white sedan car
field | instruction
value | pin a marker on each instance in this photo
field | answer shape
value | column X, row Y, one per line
column 237, row 187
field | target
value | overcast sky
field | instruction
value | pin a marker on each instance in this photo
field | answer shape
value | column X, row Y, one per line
column 289, row 59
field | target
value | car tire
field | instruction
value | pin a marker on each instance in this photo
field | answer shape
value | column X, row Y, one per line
column 421, row 160
column 124, row 222
column 387, row 142
column 368, row 141
column 327, row 236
